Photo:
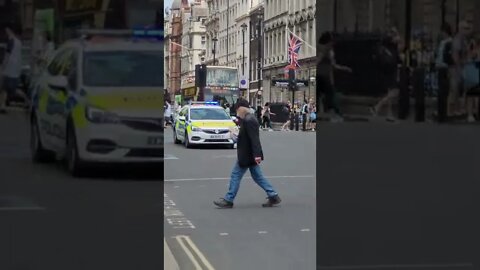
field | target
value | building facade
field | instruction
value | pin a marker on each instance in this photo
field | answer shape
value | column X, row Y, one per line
column 256, row 51
column 193, row 43
column 173, row 41
column 297, row 17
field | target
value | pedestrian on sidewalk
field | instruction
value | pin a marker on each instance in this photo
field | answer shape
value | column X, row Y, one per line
column 305, row 114
column 167, row 115
column 11, row 69
column 460, row 53
column 445, row 62
column 250, row 155
column 327, row 67
column 313, row 117
column 266, row 117
column 389, row 61
column 287, row 112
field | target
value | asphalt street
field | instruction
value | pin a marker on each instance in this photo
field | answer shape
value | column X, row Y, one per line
column 49, row 220
column 247, row 236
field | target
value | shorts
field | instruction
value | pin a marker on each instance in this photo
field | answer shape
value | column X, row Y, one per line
column 10, row 85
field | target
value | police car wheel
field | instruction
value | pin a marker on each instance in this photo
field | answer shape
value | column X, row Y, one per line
column 73, row 161
column 187, row 141
column 175, row 138
column 39, row 154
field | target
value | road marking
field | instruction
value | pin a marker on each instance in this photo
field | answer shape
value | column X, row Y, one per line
column 174, row 216
column 249, row 177
column 305, row 230
column 168, row 156
column 262, row 232
column 188, row 246
column 223, row 234
column 176, row 186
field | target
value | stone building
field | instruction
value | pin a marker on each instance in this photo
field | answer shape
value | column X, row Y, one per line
column 193, row 43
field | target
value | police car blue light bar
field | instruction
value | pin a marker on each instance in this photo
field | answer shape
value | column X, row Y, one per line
column 213, row 103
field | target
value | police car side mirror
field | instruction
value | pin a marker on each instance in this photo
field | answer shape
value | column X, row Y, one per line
column 58, row 83
column 234, row 118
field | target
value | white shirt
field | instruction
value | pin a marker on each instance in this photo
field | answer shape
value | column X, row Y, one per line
column 168, row 110
column 13, row 63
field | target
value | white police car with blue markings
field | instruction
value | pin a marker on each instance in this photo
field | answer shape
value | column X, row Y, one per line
column 100, row 100
column 204, row 123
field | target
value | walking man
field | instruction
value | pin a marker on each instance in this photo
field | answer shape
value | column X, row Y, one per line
column 250, row 155
column 11, row 69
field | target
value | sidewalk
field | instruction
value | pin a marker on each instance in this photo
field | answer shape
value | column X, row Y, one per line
column 169, row 262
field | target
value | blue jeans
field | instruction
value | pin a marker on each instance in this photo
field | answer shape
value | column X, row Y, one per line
column 257, row 175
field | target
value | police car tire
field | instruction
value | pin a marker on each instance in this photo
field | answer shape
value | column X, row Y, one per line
column 187, row 141
column 75, row 166
column 39, row 154
column 175, row 138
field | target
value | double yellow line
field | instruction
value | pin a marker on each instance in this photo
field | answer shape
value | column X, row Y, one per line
column 194, row 254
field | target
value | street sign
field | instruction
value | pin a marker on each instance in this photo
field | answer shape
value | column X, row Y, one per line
column 243, row 82
column 284, row 83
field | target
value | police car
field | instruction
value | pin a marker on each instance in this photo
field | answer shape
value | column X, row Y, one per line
column 100, row 100
column 203, row 123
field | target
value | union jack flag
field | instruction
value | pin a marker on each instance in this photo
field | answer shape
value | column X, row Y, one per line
column 294, row 45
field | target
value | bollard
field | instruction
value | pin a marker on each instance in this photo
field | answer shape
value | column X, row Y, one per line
column 297, row 121
column 404, row 94
column 419, row 90
column 292, row 121
column 443, row 88
column 304, row 122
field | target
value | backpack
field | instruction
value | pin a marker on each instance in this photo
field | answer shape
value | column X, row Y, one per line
column 447, row 54
column 305, row 109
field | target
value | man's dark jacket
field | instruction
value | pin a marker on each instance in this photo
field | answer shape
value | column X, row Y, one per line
column 248, row 145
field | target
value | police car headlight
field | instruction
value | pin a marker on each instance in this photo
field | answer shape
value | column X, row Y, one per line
column 100, row 116
column 196, row 129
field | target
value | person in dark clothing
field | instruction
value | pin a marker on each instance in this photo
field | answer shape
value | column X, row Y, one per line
column 389, row 61
column 326, row 67
column 287, row 111
column 250, row 155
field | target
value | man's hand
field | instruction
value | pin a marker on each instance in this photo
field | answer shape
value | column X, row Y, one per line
column 258, row 160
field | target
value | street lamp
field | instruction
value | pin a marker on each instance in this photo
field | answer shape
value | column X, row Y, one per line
column 259, row 54
column 244, row 28
column 215, row 39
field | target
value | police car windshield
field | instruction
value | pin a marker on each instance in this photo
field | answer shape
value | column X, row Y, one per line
column 123, row 69
column 208, row 114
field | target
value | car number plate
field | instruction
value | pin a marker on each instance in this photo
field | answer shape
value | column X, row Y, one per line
column 216, row 137
column 155, row 140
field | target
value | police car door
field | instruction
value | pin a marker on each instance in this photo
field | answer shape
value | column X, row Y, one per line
column 58, row 92
column 180, row 128
column 46, row 101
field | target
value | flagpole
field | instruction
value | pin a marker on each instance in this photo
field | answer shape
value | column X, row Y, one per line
column 286, row 40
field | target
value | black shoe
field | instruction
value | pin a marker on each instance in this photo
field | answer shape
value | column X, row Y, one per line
column 3, row 111
column 222, row 203
column 271, row 201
